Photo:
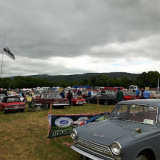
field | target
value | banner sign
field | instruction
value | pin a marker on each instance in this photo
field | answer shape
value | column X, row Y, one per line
column 60, row 125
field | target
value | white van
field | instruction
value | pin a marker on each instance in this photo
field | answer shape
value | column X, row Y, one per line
column 133, row 87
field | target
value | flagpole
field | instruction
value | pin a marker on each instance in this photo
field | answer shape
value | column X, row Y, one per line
column 1, row 64
column 2, row 54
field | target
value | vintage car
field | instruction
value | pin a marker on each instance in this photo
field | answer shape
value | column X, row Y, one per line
column 155, row 94
column 78, row 100
column 102, row 98
column 131, row 132
column 1, row 96
column 45, row 99
column 128, row 95
column 11, row 103
column 81, row 121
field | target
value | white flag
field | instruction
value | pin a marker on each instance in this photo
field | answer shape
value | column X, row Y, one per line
column 8, row 52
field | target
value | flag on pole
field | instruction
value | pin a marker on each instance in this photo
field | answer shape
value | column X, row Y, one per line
column 8, row 52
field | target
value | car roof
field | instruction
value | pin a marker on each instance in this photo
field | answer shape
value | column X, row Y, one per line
column 153, row 102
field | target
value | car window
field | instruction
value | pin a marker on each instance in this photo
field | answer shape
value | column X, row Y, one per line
column 13, row 99
column 83, row 118
column 119, row 112
column 137, row 113
column 50, row 96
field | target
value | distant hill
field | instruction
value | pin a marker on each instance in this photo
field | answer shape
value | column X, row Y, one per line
column 80, row 77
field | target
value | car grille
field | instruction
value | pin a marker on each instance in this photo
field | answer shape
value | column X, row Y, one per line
column 94, row 146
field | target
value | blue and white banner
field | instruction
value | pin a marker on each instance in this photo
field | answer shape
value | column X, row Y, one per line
column 60, row 125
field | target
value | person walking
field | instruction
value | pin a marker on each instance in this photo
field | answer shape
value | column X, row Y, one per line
column 119, row 95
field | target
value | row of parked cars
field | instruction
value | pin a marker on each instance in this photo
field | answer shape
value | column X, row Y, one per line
column 16, row 101
column 131, row 131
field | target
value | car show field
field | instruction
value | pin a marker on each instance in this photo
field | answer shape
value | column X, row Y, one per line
column 23, row 135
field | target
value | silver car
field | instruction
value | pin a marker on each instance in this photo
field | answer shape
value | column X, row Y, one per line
column 131, row 132
column 1, row 96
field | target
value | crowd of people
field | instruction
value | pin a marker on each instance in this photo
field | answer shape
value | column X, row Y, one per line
column 140, row 93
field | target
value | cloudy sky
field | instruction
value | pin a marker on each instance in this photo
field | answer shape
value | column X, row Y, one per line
column 64, row 37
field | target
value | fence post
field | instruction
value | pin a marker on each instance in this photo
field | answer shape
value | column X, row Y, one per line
column 51, row 108
column 97, row 100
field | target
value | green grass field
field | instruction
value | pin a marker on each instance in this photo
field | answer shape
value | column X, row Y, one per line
column 23, row 135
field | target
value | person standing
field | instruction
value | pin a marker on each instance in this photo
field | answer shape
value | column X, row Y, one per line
column 119, row 95
column 146, row 94
column 137, row 93
column 142, row 90
column 62, row 94
column 89, row 93
column 103, row 91
column 79, row 93
column 69, row 96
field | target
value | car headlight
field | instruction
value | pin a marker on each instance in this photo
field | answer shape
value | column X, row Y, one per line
column 116, row 148
column 73, row 134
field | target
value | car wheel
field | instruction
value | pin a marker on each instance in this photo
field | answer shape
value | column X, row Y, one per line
column 144, row 156
column 106, row 102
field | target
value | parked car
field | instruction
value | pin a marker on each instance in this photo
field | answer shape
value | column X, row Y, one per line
column 131, row 132
column 78, row 100
column 21, row 98
column 155, row 94
column 128, row 95
column 81, row 121
column 102, row 98
column 1, row 96
column 45, row 99
column 11, row 103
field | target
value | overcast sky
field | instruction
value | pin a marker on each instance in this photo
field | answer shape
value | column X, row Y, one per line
column 64, row 37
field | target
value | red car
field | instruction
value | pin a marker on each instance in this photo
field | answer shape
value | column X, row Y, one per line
column 81, row 121
column 78, row 100
column 45, row 99
column 130, row 96
column 11, row 103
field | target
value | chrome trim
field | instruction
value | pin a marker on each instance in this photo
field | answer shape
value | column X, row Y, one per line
column 95, row 134
column 119, row 147
column 88, row 155
column 14, row 108
column 101, row 149
column 73, row 132
column 60, row 104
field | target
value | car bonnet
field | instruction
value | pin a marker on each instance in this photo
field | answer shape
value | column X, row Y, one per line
column 104, row 132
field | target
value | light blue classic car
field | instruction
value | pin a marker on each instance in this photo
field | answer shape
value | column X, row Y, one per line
column 131, row 132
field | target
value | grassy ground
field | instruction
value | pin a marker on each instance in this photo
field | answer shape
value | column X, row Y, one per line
column 23, row 134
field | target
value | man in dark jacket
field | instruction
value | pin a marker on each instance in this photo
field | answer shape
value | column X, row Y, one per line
column 119, row 95
column 69, row 96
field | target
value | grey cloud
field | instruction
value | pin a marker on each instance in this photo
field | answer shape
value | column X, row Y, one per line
column 45, row 29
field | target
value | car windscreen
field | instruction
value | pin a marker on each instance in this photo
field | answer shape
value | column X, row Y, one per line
column 48, row 96
column 137, row 113
column 13, row 99
column 2, row 95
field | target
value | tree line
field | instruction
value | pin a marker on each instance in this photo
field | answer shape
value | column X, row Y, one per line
column 146, row 79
